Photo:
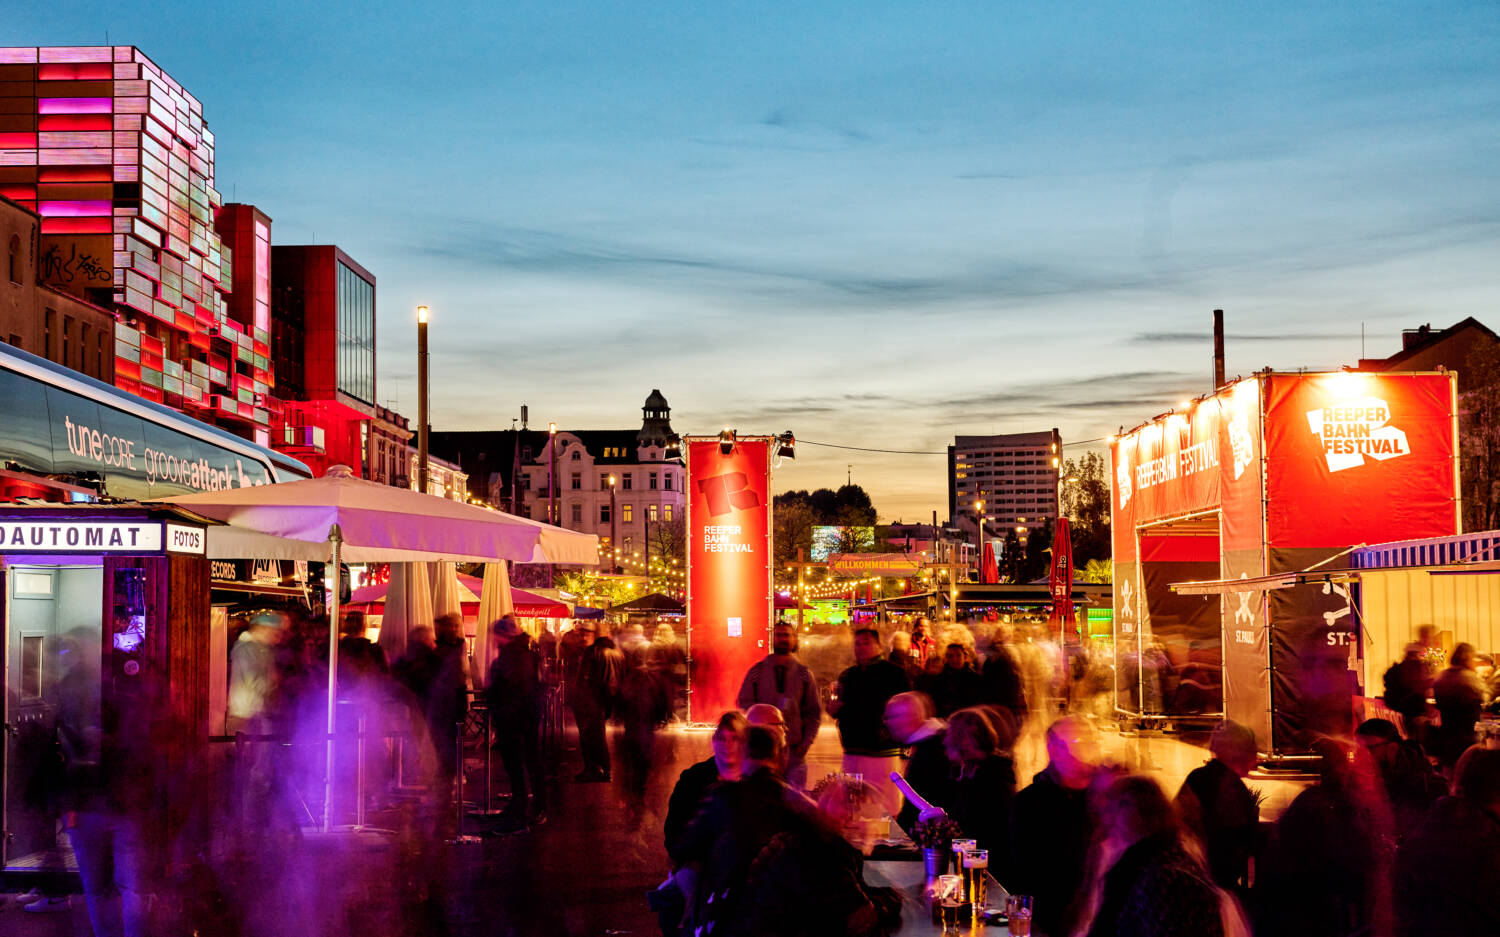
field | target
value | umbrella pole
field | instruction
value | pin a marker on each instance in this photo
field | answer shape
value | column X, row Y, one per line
column 335, row 544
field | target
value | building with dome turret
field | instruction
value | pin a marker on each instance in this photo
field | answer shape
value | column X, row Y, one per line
column 511, row 470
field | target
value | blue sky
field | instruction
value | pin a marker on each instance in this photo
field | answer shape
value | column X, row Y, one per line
column 876, row 224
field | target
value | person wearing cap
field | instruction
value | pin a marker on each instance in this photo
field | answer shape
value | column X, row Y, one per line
column 515, row 705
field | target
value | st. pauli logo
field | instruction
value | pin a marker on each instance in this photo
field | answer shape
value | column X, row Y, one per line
column 1355, row 430
column 1122, row 479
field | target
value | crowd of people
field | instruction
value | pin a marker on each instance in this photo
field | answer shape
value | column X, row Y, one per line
column 1399, row 834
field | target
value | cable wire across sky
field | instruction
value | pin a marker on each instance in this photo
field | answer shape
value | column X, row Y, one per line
column 832, row 445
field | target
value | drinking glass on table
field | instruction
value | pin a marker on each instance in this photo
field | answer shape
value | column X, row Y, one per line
column 976, row 865
column 949, row 895
column 1018, row 909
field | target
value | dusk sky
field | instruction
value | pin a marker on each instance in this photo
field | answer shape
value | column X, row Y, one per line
column 875, row 224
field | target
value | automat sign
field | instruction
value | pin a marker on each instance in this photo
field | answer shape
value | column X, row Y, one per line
column 70, row 535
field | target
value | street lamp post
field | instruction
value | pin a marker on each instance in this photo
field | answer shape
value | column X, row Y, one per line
column 979, row 521
column 614, row 517
column 422, row 313
column 552, row 517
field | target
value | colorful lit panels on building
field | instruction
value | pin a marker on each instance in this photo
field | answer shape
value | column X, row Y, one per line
column 116, row 158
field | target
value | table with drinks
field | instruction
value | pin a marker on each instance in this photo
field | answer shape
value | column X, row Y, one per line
column 946, row 903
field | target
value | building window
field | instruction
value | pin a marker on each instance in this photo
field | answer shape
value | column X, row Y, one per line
column 49, row 323
column 15, row 258
column 355, row 297
column 604, row 514
column 67, row 348
column 525, row 453
column 603, row 481
column 651, row 481
column 577, row 513
column 576, row 481
column 667, row 480
column 627, row 514
column 575, row 456
column 667, row 512
column 650, row 513
column 626, row 481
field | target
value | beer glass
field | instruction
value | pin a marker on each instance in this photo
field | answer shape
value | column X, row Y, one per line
column 1018, row 908
column 949, row 895
column 976, row 864
column 960, row 847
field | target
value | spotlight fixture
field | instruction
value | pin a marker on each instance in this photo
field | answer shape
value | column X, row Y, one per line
column 673, row 448
column 786, row 445
column 726, row 441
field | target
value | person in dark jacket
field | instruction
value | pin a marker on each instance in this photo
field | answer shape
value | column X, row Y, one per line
column 1327, row 868
column 858, row 705
column 1051, row 828
column 1154, row 887
column 1460, row 697
column 737, row 820
column 1407, row 683
column 957, row 686
column 688, row 796
column 910, row 720
column 1220, row 810
column 1447, row 867
column 785, row 682
column 448, row 695
column 514, row 695
column 1411, row 784
column 1002, row 676
column 978, row 745
column 595, row 691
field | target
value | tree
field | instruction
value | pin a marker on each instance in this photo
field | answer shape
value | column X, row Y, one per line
column 1085, row 502
column 1036, row 562
column 1102, row 571
column 667, row 541
column 594, row 589
column 1480, row 439
column 793, row 520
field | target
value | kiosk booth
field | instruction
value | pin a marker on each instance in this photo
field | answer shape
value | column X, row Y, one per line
column 1232, row 519
column 102, row 606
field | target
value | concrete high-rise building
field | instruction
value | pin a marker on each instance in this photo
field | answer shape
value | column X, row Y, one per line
column 1014, row 475
column 116, row 158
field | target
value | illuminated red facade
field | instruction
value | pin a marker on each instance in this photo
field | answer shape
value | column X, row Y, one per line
column 115, row 157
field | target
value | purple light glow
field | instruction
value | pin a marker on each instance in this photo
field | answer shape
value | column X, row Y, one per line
column 81, row 208
column 74, row 105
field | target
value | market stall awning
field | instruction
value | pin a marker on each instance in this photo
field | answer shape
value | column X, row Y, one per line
column 1261, row 583
column 470, row 588
column 654, row 604
column 379, row 523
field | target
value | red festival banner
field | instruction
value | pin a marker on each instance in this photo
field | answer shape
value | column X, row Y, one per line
column 729, row 567
column 1356, row 457
column 1060, row 582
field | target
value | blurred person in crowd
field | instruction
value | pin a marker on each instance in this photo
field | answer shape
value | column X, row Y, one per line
column 688, row 795
column 448, row 696
column 671, row 663
column 1447, row 867
column 253, row 674
column 912, row 722
column 783, row 681
column 1002, row 674
column 958, row 685
column 413, row 673
column 764, row 714
column 900, row 652
column 1410, row 782
column 1051, row 827
column 1217, row 807
column 1151, row 883
column 858, row 705
column 922, row 644
column 595, row 695
column 513, row 693
column 977, row 744
column 1407, row 683
column 643, row 706
column 737, row 820
column 1327, row 868
column 1460, row 697
column 362, row 663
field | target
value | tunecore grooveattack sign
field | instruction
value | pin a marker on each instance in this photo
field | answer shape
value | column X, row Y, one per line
column 1352, row 431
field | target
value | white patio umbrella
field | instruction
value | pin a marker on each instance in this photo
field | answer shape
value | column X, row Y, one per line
column 494, row 601
column 408, row 603
column 342, row 518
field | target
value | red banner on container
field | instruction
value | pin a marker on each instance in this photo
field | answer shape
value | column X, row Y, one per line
column 729, row 568
column 1356, row 457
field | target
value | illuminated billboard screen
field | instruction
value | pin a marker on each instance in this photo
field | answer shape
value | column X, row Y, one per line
column 834, row 539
